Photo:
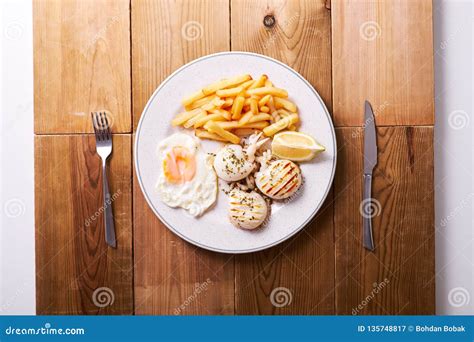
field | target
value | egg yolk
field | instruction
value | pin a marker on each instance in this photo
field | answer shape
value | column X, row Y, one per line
column 179, row 165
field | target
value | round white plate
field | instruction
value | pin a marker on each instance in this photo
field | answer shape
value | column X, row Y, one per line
column 213, row 231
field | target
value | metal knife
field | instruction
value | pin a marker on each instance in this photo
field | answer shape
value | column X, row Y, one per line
column 370, row 160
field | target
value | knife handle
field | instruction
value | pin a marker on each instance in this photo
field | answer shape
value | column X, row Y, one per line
column 367, row 214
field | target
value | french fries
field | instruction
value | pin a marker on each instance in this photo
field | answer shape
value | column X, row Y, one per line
column 280, row 125
column 260, row 117
column 245, row 119
column 254, row 106
column 185, row 116
column 242, row 132
column 213, row 127
column 228, row 125
column 284, row 103
column 212, row 88
column 228, row 102
column 264, row 100
column 194, row 119
column 247, row 84
column 225, row 113
column 200, row 102
column 214, row 117
column 271, row 104
column 238, row 106
column 257, row 125
column 193, row 97
column 260, row 82
column 215, row 103
column 229, row 92
column 203, row 134
column 268, row 91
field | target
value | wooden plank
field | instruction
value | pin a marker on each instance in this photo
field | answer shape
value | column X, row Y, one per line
column 72, row 259
column 81, row 64
column 172, row 276
column 300, row 38
column 167, row 34
column 383, row 51
column 294, row 278
column 398, row 278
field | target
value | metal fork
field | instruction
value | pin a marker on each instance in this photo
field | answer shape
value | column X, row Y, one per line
column 103, row 141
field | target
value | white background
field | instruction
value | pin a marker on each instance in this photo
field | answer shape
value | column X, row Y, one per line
column 453, row 44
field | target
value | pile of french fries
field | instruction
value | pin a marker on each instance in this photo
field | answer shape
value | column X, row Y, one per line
column 235, row 107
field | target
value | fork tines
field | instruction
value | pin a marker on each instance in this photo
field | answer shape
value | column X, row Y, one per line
column 101, row 125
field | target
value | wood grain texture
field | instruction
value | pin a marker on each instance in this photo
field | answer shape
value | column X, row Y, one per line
column 81, row 64
column 173, row 277
column 301, row 39
column 167, row 34
column 398, row 278
column 294, row 278
column 88, row 55
column 72, row 258
column 301, row 36
column 382, row 51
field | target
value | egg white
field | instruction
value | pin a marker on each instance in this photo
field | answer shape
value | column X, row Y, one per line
column 196, row 195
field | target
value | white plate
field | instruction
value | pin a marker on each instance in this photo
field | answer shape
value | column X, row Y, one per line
column 213, row 231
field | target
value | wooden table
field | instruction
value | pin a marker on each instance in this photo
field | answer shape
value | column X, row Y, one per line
column 92, row 55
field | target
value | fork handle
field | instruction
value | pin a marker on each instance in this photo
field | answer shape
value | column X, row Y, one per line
column 108, row 217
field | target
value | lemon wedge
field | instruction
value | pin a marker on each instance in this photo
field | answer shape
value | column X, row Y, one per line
column 295, row 146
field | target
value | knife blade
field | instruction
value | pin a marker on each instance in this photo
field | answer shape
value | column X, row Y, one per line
column 370, row 161
column 370, row 141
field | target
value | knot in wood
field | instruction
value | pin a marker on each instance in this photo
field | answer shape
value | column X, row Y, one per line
column 269, row 21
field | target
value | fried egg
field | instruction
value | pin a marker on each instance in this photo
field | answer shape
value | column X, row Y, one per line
column 186, row 178
column 232, row 163
column 247, row 210
column 281, row 179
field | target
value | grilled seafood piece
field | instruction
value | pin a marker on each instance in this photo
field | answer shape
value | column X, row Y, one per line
column 247, row 210
column 280, row 180
column 233, row 162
